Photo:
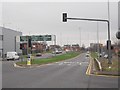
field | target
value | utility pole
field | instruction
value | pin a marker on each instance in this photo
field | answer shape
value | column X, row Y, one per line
column 45, row 41
column 98, row 40
column 61, row 39
column 80, row 35
column 109, row 41
column 88, row 39
column 55, row 44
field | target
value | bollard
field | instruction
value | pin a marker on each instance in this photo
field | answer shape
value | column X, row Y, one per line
column 29, row 60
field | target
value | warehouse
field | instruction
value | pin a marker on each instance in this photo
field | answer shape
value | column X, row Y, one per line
column 9, row 41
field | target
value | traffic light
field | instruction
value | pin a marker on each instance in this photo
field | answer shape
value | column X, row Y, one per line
column 64, row 17
column 109, row 42
column 112, row 47
column 21, row 46
column 29, row 42
column 118, row 34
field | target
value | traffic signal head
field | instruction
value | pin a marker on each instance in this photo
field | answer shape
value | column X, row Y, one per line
column 29, row 42
column 118, row 35
column 64, row 17
column 21, row 46
column 109, row 43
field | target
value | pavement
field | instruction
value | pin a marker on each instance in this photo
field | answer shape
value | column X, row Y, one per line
column 64, row 74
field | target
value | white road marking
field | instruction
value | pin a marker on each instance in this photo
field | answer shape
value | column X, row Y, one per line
column 68, row 63
column 60, row 63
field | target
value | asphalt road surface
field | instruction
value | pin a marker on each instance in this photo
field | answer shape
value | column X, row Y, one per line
column 65, row 74
column 48, row 55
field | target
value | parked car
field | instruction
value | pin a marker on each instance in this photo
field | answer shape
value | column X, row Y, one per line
column 39, row 54
column 12, row 56
column 100, row 55
column 87, row 55
column 57, row 51
column 106, row 56
column 88, row 52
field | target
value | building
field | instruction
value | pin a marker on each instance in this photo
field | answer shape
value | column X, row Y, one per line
column 9, row 41
column 67, row 47
column 75, row 47
column 36, row 47
column 94, row 47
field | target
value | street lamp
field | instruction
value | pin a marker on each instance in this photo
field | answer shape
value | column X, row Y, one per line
column 101, row 20
column 80, row 35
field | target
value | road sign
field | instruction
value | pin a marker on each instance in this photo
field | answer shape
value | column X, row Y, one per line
column 23, row 38
column 17, row 38
column 37, row 38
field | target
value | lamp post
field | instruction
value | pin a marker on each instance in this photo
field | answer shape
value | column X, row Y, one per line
column 80, row 35
column 55, row 44
column 65, row 18
column 98, row 48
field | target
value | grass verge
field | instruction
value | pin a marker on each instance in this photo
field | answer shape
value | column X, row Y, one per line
column 93, row 54
column 50, row 60
column 114, row 67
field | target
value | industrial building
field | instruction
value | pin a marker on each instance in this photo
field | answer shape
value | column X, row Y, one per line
column 9, row 41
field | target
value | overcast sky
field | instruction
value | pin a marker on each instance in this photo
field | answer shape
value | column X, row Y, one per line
column 36, row 18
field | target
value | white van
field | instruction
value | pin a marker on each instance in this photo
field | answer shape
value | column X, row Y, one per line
column 12, row 55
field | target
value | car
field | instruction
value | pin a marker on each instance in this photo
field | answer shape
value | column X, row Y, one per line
column 38, row 54
column 87, row 55
column 12, row 56
column 100, row 55
column 106, row 56
column 88, row 52
column 57, row 51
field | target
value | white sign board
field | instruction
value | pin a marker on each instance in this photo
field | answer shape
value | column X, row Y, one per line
column 17, row 38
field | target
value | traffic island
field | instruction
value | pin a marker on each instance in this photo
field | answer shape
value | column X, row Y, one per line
column 43, row 61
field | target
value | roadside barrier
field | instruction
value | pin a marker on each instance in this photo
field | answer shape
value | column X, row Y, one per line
column 98, row 63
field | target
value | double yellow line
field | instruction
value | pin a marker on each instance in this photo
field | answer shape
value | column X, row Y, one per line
column 88, row 72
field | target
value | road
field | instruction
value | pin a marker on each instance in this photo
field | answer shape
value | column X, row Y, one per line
column 65, row 74
column 48, row 55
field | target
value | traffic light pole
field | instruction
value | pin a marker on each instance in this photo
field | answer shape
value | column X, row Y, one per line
column 55, row 43
column 96, row 20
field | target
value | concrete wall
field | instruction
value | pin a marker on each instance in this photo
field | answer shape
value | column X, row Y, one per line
column 9, row 41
